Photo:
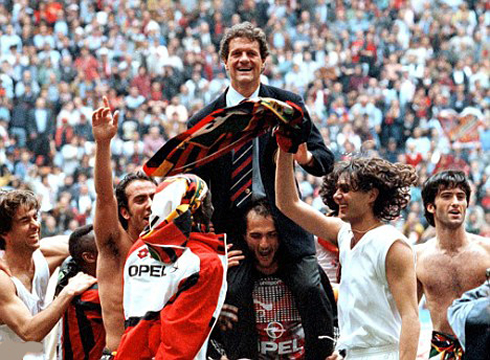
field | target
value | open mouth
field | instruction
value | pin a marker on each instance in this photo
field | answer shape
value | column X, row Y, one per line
column 34, row 236
column 245, row 70
column 265, row 253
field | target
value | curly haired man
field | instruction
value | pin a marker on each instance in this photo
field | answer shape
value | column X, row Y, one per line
column 378, row 315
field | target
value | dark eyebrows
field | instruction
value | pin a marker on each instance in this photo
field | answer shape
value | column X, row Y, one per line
column 239, row 50
column 27, row 217
column 139, row 197
column 456, row 191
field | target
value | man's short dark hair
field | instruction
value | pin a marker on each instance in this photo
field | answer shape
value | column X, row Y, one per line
column 10, row 202
column 244, row 30
column 260, row 207
column 122, row 197
column 82, row 240
column 448, row 179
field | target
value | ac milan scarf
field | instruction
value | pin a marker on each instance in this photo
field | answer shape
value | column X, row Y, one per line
column 223, row 130
column 171, row 221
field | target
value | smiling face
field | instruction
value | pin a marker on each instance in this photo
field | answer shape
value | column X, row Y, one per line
column 263, row 241
column 244, row 64
column 449, row 208
column 140, row 197
column 353, row 205
column 24, row 233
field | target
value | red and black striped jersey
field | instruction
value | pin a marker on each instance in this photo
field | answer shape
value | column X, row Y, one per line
column 83, row 331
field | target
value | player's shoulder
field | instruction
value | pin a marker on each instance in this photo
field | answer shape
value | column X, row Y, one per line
column 482, row 241
column 7, row 285
column 281, row 94
column 426, row 249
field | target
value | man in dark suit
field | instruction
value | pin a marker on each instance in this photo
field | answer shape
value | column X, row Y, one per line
column 244, row 50
column 40, row 127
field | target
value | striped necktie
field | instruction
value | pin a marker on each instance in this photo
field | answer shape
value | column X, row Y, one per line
column 241, row 176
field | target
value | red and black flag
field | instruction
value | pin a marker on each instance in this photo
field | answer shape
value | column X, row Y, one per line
column 220, row 132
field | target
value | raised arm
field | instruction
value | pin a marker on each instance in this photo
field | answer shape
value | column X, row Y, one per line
column 106, row 223
column 400, row 273
column 55, row 250
column 15, row 314
column 319, row 159
column 288, row 201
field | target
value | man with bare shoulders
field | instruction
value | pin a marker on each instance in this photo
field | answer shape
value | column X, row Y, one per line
column 453, row 262
column 23, row 316
column 377, row 302
column 119, row 219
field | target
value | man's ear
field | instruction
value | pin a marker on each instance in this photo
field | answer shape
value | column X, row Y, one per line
column 89, row 257
column 125, row 213
column 373, row 195
column 431, row 208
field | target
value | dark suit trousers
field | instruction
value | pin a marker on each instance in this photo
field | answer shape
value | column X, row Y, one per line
column 303, row 279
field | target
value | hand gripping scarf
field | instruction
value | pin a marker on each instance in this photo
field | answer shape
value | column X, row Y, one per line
column 171, row 221
column 223, row 130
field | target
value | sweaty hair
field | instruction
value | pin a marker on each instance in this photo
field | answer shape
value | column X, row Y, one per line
column 244, row 30
column 393, row 182
column 448, row 179
column 10, row 202
column 82, row 240
column 122, row 197
column 260, row 207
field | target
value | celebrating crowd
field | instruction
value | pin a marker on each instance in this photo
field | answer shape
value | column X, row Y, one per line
column 395, row 107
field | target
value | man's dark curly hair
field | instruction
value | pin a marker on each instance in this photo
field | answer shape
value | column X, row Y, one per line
column 244, row 30
column 10, row 202
column 392, row 180
column 448, row 179
column 122, row 197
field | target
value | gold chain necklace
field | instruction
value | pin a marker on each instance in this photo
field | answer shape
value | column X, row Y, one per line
column 365, row 231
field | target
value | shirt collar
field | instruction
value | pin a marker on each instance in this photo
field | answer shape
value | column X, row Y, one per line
column 233, row 97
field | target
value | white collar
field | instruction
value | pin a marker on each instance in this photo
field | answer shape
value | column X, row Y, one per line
column 233, row 97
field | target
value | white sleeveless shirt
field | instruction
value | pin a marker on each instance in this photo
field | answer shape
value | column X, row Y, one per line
column 368, row 316
column 33, row 300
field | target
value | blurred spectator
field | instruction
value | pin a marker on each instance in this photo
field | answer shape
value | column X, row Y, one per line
column 153, row 141
column 411, row 60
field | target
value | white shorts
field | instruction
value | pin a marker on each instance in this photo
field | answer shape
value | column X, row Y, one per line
column 389, row 352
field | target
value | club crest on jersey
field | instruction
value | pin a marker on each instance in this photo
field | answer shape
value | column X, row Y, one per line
column 143, row 253
column 275, row 330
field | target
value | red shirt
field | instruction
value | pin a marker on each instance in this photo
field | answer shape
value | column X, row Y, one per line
column 83, row 330
column 278, row 323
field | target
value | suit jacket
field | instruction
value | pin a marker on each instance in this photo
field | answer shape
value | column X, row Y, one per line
column 32, row 125
column 217, row 174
